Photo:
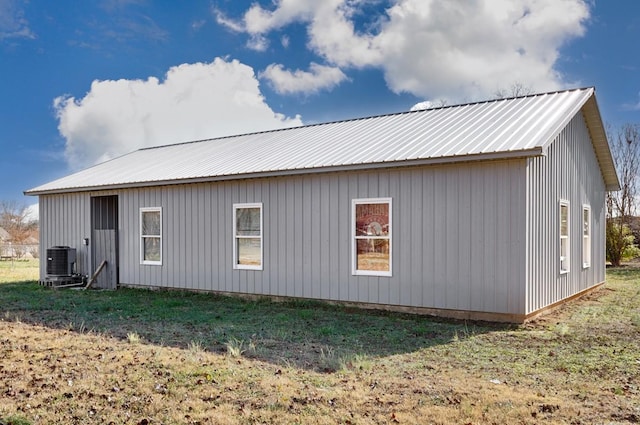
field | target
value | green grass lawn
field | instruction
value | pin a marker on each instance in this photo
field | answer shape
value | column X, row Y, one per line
column 306, row 334
column 19, row 270
column 178, row 357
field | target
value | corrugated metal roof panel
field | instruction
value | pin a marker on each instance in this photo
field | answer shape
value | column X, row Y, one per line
column 499, row 127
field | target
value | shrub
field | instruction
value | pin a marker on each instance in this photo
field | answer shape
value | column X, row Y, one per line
column 620, row 244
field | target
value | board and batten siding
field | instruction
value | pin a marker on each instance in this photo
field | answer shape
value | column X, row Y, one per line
column 569, row 171
column 458, row 235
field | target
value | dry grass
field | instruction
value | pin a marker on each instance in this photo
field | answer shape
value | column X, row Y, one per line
column 90, row 358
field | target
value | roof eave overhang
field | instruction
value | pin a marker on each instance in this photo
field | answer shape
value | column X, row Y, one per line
column 592, row 116
column 492, row 156
column 588, row 106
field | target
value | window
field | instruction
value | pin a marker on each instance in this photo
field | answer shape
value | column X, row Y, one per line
column 371, row 240
column 151, row 236
column 586, row 236
column 247, row 241
column 564, row 237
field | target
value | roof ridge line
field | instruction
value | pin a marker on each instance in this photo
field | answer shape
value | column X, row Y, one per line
column 390, row 114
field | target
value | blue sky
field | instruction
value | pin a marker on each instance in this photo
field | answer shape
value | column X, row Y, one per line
column 85, row 81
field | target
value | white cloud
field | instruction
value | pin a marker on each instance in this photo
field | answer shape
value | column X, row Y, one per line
column 258, row 20
column 445, row 49
column 427, row 104
column 258, row 43
column 13, row 24
column 431, row 104
column 471, row 49
column 319, row 77
column 194, row 101
column 224, row 20
column 284, row 40
column 331, row 33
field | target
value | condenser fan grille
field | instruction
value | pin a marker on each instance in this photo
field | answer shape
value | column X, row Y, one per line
column 60, row 260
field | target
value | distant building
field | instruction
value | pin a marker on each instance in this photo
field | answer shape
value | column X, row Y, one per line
column 4, row 236
column 492, row 210
column 5, row 249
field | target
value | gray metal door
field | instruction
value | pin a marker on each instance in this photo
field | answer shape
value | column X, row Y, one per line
column 104, row 219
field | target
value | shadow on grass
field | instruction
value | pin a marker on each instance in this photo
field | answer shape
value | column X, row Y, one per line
column 306, row 334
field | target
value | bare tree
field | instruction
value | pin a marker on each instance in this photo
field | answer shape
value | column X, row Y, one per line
column 14, row 219
column 621, row 205
column 516, row 89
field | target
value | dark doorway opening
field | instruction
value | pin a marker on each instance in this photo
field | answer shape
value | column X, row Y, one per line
column 104, row 225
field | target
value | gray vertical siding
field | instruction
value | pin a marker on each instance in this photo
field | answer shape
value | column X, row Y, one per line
column 103, row 245
column 458, row 235
column 568, row 171
column 65, row 221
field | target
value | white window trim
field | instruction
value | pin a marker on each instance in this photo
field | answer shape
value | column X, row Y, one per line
column 142, row 237
column 567, row 237
column 354, row 246
column 237, row 266
column 586, row 240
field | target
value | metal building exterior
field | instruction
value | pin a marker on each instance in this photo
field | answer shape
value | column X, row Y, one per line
column 492, row 210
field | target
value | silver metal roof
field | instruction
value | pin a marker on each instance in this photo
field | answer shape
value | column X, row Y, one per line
column 515, row 127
